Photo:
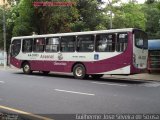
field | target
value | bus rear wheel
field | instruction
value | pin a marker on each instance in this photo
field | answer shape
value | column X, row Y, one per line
column 26, row 68
column 79, row 71
column 96, row 76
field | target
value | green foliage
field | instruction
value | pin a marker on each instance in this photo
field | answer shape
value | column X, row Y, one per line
column 8, row 34
column 55, row 19
column 1, row 28
column 153, row 20
column 84, row 15
column 23, row 18
column 149, row 1
column 24, row 24
column 129, row 15
column 91, row 17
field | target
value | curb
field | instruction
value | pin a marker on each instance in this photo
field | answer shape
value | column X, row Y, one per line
column 132, row 79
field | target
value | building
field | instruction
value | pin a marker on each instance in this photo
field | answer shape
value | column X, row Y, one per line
column 154, row 44
column 154, row 55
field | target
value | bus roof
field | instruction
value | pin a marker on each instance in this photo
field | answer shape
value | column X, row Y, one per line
column 77, row 33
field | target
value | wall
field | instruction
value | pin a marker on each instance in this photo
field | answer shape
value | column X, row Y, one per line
column 1, row 58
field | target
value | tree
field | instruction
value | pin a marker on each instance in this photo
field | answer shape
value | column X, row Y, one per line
column 24, row 23
column 84, row 15
column 55, row 19
column 152, row 14
column 149, row 1
column 91, row 17
column 11, row 16
column 43, row 19
column 8, row 33
column 111, row 9
column 1, row 28
column 129, row 15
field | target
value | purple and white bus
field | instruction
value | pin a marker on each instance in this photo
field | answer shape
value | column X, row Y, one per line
column 95, row 53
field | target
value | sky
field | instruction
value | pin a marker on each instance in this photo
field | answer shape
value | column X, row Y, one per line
column 139, row 1
column 125, row 1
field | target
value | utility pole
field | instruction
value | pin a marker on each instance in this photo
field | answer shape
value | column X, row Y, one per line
column 110, row 14
column 4, row 35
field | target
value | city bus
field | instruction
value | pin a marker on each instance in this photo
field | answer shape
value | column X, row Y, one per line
column 84, row 54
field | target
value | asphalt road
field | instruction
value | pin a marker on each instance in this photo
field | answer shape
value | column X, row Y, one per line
column 62, row 94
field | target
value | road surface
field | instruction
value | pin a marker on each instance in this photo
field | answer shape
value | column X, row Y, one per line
column 62, row 94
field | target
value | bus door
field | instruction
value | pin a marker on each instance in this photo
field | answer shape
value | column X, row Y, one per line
column 140, row 49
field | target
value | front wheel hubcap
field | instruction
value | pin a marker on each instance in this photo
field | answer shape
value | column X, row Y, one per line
column 26, row 68
column 79, row 71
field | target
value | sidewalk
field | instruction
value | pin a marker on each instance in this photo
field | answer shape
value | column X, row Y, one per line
column 141, row 76
column 8, row 68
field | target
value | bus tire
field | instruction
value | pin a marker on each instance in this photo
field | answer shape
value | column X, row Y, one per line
column 45, row 72
column 97, row 76
column 79, row 71
column 149, row 71
column 26, row 68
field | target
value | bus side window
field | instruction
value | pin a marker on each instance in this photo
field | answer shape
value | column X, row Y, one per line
column 52, row 45
column 122, row 40
column 67, row 44
column 85, row 43
column 39, row 44
column 105, row 43
column 27, row 45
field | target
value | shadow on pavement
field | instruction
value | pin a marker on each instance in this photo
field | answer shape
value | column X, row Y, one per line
column 103, row 79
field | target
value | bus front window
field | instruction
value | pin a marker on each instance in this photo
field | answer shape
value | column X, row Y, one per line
column 141, row 39
column 15, row 47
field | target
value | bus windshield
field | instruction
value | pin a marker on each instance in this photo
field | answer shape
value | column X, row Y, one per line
column 15, row 47
column 141, row 39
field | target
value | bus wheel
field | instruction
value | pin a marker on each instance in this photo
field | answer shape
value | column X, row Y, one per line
column 149, row 71
column 46, row 72
column 97, row 76
column 79, row 71
column 27, row 68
